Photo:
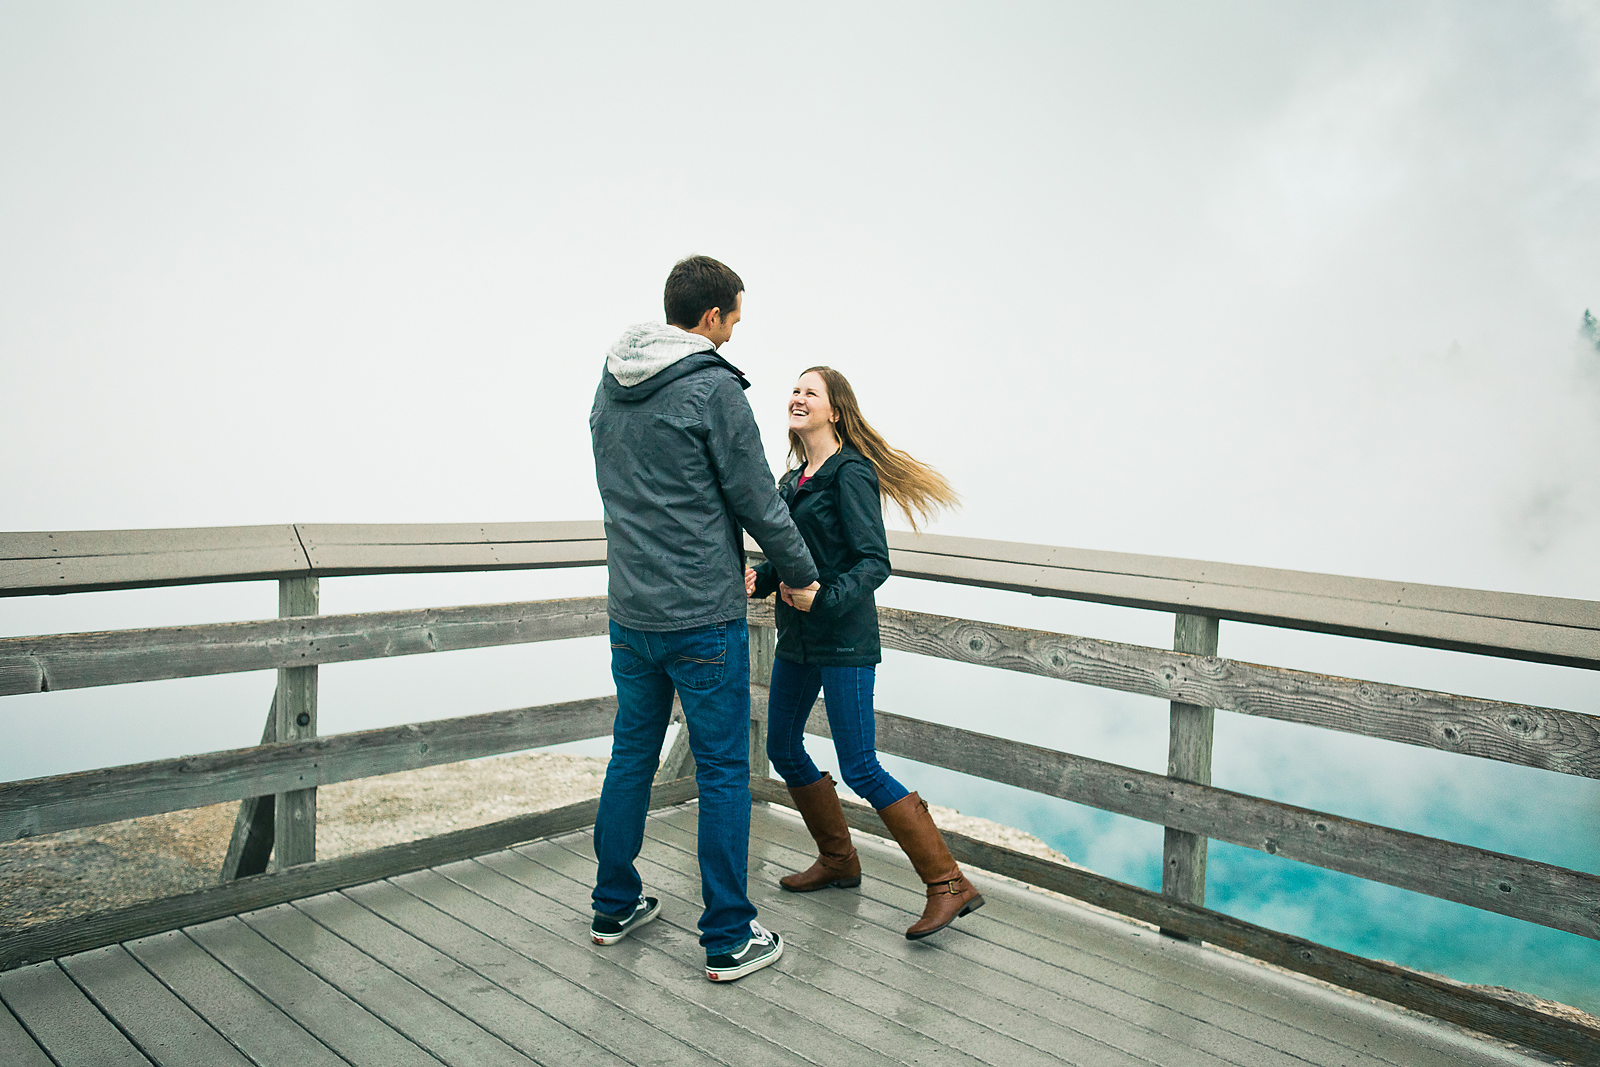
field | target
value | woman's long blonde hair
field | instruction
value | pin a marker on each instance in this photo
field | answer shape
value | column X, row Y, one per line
column 917, row 488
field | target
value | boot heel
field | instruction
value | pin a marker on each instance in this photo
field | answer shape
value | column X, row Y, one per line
column 973, row 905
column 847, row 883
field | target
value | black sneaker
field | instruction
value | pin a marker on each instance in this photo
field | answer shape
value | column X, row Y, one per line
column 608, row 931
column 763, row 948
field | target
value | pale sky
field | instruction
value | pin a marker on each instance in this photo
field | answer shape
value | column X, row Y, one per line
column 1294, row 285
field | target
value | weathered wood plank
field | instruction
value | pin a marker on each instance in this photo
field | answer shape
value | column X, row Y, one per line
column 250, row 1022
column 1547, row 738
column 409, row 1008
column 75, row 661
column 17, row 1048
column 294, row 818
column 1524, row 889
column 250, row 846
column 163, row 1026
column 346, row 1027
column 88, row 798
column 1189, row 737
column 417, row 548
column 51, row 940
column 1485, row 634
column 1560, row 611
column 763, row 650
column 78, row 561
column 1386, row 981
column 65, row 1022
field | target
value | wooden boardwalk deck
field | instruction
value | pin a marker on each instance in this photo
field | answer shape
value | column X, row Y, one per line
column 488, row 962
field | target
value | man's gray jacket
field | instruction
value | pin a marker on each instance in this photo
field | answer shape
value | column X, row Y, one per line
column 681, row 470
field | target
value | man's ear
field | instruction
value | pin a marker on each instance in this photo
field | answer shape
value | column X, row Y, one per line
column 710, row 318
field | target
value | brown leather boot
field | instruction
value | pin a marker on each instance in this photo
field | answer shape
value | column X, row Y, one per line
column 950, row 895
column 837, row 864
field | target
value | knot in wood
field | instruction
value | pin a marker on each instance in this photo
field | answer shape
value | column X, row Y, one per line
column 1271, row 846
column 1504, row 887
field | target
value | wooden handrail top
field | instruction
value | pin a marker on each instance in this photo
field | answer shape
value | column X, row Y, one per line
column 88, row 560
column 1513, row 625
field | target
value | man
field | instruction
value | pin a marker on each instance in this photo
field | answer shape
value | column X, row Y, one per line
column 681, row 469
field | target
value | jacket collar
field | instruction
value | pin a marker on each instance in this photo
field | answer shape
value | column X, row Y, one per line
column 829, row 468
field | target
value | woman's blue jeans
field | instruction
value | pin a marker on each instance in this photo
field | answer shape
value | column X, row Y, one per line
column 710, row 669
column 847, row 692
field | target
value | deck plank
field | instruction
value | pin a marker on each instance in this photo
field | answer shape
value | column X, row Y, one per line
column 714, row 1035
column 413, row 1011
column 17, row 1046
column 942, row 1004
column 1282, row 1013
column 518, row 1023
column 352, row 1031
column 250, row 1022
column 66, row 1023
column 673, row 960
column 164, row 1027
column 566, row 1002
column 910, row 1031
column 847, row 955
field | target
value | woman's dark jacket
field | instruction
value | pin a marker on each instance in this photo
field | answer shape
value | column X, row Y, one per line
column 840, row 515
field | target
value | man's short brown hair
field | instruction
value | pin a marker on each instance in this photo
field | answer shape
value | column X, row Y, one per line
column 695, row 286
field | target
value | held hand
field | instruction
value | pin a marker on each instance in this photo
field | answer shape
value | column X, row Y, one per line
column 749, row 581
column 800, row 599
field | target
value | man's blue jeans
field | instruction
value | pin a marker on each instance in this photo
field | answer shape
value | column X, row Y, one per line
column 710, row 669
column 848, row 693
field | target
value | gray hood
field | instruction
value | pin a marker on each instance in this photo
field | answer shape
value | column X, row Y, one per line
column 645, row 350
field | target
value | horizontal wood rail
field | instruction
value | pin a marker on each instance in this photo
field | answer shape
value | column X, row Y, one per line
column 45, row 941
column 1514, row 625
column 1422, row 992
column 82, row 561
column 89, row 798
column 1524, row 889
column 1509, row 625
column 1547, row 738
column 76, row 661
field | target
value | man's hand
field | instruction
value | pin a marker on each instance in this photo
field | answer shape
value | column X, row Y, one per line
column 749, row 581
column 799, row 599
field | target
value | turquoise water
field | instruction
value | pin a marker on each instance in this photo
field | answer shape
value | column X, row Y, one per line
column 1347, row 913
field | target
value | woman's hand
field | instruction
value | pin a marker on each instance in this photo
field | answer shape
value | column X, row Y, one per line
column 799, row 599
column 749, row 581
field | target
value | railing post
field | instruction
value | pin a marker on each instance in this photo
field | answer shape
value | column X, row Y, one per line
column 763, row 650
column 1183, row 855
column 295, row 820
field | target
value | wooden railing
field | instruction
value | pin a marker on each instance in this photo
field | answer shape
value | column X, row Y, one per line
column 276, row 781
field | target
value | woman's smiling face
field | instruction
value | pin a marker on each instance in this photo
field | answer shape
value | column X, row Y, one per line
column 808, row 404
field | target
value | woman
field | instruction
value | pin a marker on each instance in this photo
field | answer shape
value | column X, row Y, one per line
column 828, row 639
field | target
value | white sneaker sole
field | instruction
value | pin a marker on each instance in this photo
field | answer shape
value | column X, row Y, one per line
column 612, row 939
column 729, row 974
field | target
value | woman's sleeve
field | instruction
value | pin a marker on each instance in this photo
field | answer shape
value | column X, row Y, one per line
column 861, row 518
column 766, row 580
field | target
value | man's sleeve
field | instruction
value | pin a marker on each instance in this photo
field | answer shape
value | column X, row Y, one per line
column 741, row 465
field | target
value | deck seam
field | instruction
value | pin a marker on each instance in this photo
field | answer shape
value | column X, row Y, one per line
column 1085, row 1005
column 911, row 994
column 1121, row 967
column 731, row 1021
column 264, row 996
column 352, row 996
column 469, row 967
column 185, row 1002
column 809, row 1022
column 29, row 1031
column 1080, row 1005
column 597, row 994
column 101, row 1008
column 1431, row 1042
